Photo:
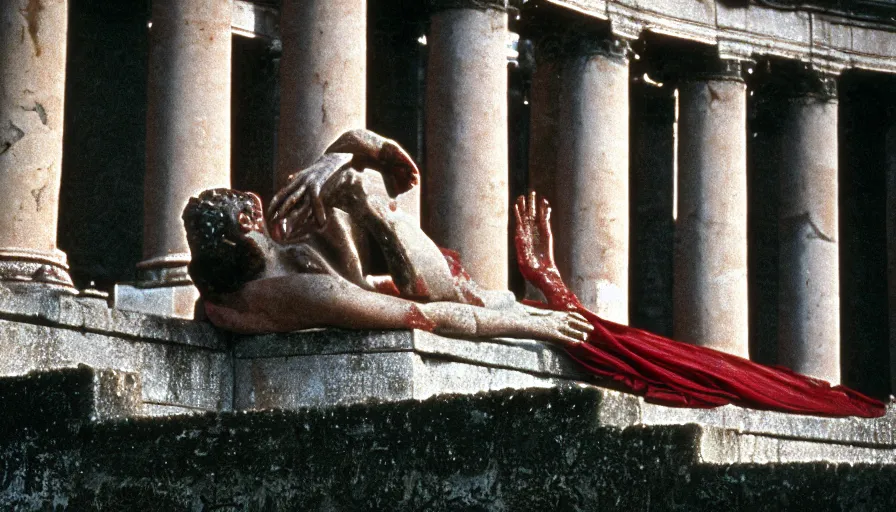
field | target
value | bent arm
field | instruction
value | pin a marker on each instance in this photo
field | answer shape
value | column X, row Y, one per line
column 302, row 301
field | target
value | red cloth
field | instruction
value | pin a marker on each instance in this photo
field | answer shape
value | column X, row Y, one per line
column 669, row 372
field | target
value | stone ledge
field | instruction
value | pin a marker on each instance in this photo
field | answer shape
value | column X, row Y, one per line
column 623, row 410
column 326, row 368
column 174, row 375
column 56, row 401
column 726, row 447
column 36, row 304
column 321, row 368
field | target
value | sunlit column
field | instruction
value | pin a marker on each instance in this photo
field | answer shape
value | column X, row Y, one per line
column 710, row 276
column 32, row 98
column 466, row 137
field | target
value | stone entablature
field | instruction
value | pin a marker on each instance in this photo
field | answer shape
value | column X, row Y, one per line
column 829, row 42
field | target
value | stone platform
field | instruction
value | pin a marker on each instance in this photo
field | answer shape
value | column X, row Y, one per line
column 183, row 366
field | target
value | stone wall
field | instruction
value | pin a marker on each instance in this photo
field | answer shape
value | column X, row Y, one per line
column 533, row 450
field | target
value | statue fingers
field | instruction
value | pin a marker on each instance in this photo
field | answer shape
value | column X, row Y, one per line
column 292, row 226
column 516, row 210
column 280, row 196
column 581, row 325
column 320, row 211
column 287, row 203
column 300, row 214
column 570, row 339
column 578, row 335
column 531, row 204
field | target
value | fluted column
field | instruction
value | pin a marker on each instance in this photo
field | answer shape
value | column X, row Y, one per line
column 466, row 136
column 710, row 268
column 809, row 262
column 187, row 138
column 32, row 93
column 323, row 78
column 591, row 211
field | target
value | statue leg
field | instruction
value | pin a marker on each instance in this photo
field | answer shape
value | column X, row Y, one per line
column 416, row 264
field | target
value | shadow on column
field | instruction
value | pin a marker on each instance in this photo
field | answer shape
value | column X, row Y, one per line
column 101, row 199
column 864, row 98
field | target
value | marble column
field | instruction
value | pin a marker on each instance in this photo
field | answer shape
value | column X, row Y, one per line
column 466, row 170
column 187, row 139
column 891, row 248
column 710, row 267
column 591, row 211
column 809, row 269
column 323, row 78
column 32, row 94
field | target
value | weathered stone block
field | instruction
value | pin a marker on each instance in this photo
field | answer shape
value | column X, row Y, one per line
column 322, row 368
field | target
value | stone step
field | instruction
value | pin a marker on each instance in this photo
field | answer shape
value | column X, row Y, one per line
column 61, row 399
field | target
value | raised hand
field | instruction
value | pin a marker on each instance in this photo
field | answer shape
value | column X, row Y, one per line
column 535, row 251
column 534, row 241
column 301, row 197
column 373, row 151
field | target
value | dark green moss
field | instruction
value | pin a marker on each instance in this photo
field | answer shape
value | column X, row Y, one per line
column 534, row 450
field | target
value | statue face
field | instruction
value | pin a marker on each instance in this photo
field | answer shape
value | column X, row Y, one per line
column 255, row 220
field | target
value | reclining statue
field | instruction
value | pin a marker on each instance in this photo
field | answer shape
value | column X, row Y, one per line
column 309, row 269
column 315, row 264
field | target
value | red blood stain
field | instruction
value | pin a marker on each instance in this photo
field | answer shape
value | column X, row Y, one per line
column 387, row 288
column 393, row 206
column 462, row 281
column 415, row 319
column 420, row 288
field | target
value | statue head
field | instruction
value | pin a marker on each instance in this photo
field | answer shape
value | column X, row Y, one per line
column 224, row 256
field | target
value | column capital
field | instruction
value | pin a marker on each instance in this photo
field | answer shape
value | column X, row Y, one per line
column 558, row 42
column 791, row 79
column 498, row 5
column 702, row 67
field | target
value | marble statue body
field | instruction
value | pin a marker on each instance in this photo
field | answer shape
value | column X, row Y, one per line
column 309, row 265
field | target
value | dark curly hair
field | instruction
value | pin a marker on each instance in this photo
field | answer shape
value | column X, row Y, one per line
column 223, row 258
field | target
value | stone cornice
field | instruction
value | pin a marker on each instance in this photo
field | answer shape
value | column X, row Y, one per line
column 828, row 41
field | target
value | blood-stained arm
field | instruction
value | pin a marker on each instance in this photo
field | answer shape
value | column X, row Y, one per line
column 302, row 301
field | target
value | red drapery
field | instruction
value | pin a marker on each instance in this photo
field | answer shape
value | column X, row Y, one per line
column 669, row 372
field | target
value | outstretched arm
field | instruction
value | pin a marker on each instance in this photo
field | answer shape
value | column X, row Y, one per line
column 301, row 301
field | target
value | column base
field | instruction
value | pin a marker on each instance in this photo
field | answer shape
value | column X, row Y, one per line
column 27, row 265
column 164, row 271
column 163, row 288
